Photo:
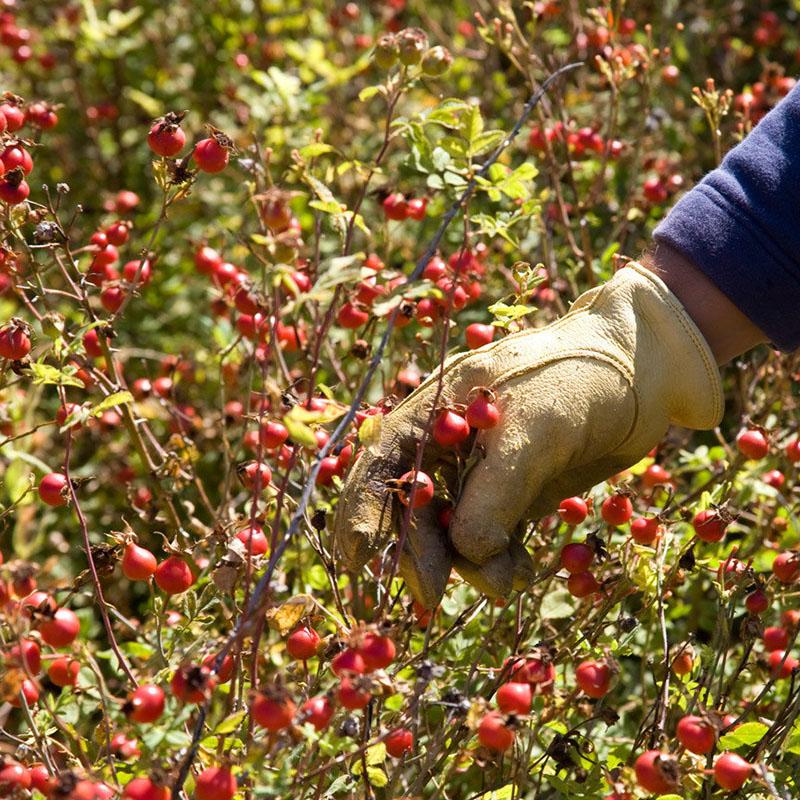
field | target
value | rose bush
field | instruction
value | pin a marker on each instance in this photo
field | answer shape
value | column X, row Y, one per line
column 211, row 214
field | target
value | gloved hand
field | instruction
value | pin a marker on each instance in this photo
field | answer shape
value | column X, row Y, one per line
column 580, row 400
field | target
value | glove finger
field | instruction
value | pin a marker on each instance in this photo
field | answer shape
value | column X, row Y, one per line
column 539, row 438
column 365, row 508
column 495, row 577
column 425, row 560
column 511, row 569
column 364, row 518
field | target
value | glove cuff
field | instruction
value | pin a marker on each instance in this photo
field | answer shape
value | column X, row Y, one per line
column 687, row 370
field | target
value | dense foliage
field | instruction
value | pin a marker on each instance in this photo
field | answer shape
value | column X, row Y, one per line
column 210, row 213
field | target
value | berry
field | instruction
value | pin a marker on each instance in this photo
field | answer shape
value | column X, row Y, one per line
column 255, row 474
column 14, row 342
column 793, row 451
column 215, row 783
column 92, row 343
column 225, row 668
column 348, row 661
column 145, row 789
column 478, row 334
column 657, row 772
column 112, row 298
column 352, row 315
column 494, row 733
column 64, row 671
column 399, row 742
column 696, row 734
column 449, row 428
column 757, row 602
column 302, row 643
column 14, row 116
column 145, row 703
column 786, row 567
column 117, row 233
column 752, row 443
column 61, row 629
column 29, row 691
column 13, row 777
column 645, row 530
column 26, row 654
column 273, row 712
column 617, row 509
column 482, row 413
column 377, row 651
column 594, row 678
column 273, row 434
column 582, row 584
column 137, row 272
column 173, row 575
column 416, row 208
column 709, row 525
column 138, row 563
column 206, row 260
column 41, row 780
column 16, row 156
column 254, row 539
column 318, row 711
column 656, row 475
column 424, row 489
column 192, row 684
column 781, row 665
column 210, row 155
column 395, row 206
column 683, row 663
column 573, row 510
column 351, row 696
column 515, row 698
column 731, row 771
column 53, row 489
column 576, row 557
column 166, row 138
column 14, row 190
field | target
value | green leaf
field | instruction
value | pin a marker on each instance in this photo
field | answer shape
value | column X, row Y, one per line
column 471, row 125
column 376, row 754
column 231, row 723
column 504, row 793
column 341, row 784
column 505, row 314
column 377, row 777
column 487, row 141
column 116, row 399
column 369, row 432
column 299, row 432
column 669, row 797
column 315, row 149
column 47, row 374
column 137, row 649
column 746, row 734
column 557, row 604
column 369, row 92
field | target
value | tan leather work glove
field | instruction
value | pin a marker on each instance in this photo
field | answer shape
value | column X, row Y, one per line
column 580, row 400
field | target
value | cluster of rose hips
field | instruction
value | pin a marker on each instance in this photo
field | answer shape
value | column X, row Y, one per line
column 579, row 142
column 166, row 139
column 356, row 667
column 754, row 102
column 410, row 47
column 16, row 163
column 19, row 40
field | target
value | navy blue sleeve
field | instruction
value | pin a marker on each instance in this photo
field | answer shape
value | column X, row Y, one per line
column 741, row 224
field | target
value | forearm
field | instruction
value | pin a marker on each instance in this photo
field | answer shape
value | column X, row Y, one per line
column 740, row 228
column 726, row 329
